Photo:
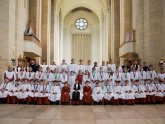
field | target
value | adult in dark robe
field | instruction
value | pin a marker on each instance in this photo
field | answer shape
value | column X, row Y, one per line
column 76, row 93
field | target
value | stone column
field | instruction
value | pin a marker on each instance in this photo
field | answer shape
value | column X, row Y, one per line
column 115, row 30
column 46, row 23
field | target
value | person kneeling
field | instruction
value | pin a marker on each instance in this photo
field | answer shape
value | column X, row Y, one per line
column 119, row 94
column 97, row 94
column 55, row 93
column 129, row 94
column 108, row 93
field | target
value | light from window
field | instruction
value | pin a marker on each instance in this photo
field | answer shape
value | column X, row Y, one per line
column 81, row 24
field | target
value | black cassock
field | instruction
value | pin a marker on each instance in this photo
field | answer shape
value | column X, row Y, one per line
column 76, row 95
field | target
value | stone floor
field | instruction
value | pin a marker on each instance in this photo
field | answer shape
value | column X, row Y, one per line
column 31, row 114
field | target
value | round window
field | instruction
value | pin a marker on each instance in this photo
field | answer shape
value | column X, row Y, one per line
column 81, row 24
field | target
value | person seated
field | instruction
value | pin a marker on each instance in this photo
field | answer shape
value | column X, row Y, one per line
column 140, row 96
column 158, row 91
column 36, row 91
column 149, row 91
column 5, row 88
column 108, row 93
column 129, row 93
column 65, row 94
column 48, row 76
column 76, row 93
column 119, row 95
column 24, row 91
column 63, row 77
column 39, row 75
column 14, row 91
column 55, row 93
column 97, row 94
column 44, row 93
column 87, row 94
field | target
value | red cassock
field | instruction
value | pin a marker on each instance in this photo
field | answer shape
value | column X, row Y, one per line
column 79, row 78
column 65, row 94
column 87, row 98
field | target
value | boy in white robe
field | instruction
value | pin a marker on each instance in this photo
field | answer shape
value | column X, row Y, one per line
column 112, row 65
column 117, row 75
column 44, row 66
column 71, row 78
column 10, row 75
column 101, row 76
column 134, row 75
column 39, row 75
column 104, row 66
column 30, row 75
column 36, row 90
column 140, row 96
column 86, row 77
column 158, row 90
column 63, row 77
column 55, row 75
column 73, row 67
column 142, row 75
column 149, row 91
column 119, row 95
column 5, row 88
column 89, row 66
column 94, row 77
column 125, row 76
column 55, row 93
column 21, row 74
column 81, row 66
column 53, row 66
column 44, row 93
column 48, row 76
column 97, row 94
column 108, row 93
column 63, row 66
column 151, row 74
column 129, row 93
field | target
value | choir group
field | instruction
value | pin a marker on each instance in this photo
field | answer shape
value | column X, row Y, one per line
column 83, row 84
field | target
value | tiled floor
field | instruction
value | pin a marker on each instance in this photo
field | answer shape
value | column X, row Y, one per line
column 31, row 114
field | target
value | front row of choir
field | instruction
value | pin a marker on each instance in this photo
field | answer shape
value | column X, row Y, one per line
column 40, row 92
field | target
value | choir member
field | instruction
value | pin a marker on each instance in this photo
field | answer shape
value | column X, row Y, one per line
column 36, row 91
column 94, row 77
column 5, row 88
column 30, row 75
column 101, row 76
column 161, row 75
column 21, row 74
column 76, row 93
column 119, row 67
column 142, row 75
column 10, row 75
column 44, row 93
column 65, row 94
column 149, row 91
column 87, row 94
column 63, row 77
column 110, row 76
column 55, row 75
column 79, row 77
column 119, row 95
column 104, row 66
column 117, row 75
column 48, row 76
column 53, row 66
column 140, row 96
column 112, row 65
column 125, row 75
column 55, row 93
column 63, row 66
column 97, row 94
column 73, row 67
column 89, row 66
column 125, row 65
column 71, row 78
column 108, row 93
column 81, row 66
column 134, row 75
column 145, row 67
column 129, row 93
column 151, row 74
column 39, row 75
column 158, row 90
column 44, row 65
column 86, row 77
